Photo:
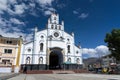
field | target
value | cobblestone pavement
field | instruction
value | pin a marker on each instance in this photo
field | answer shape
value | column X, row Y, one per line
column 65, row 77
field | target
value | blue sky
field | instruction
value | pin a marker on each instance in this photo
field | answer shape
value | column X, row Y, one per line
column 90, row 20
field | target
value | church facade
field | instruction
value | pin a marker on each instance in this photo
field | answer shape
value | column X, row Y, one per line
column 52, row 48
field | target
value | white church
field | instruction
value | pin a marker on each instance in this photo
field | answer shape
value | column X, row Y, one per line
column 52, row 48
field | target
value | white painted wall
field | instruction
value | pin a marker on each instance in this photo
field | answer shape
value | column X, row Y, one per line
column 51, row 43
column 5, row 69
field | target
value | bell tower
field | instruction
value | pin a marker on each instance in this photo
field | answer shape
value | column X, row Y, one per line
column 54, row 19
column 53, row 22
column 55, row 28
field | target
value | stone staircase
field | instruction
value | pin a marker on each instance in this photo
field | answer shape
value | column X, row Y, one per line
column 63, row 72
column 55, row 71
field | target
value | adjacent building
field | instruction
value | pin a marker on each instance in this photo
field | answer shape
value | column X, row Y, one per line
column 10, row 49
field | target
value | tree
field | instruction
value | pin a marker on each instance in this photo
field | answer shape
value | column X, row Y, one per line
column 113, row 41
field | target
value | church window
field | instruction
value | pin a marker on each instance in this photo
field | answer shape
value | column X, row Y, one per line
column 42, row 36
column 41, row 46
column 68, row 39
column 77, row 52
column 68, row 48
column 29, row 50
column 78, row 60
column 69, row 60
column 51, row 26
column 56, row 27
column 54, row 18
column 59, row 27
column 28, row 60
column 41, row 60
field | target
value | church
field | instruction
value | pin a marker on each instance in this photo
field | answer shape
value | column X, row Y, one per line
column 52, row 48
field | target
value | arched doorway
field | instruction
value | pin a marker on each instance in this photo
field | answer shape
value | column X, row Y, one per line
column 55, row 59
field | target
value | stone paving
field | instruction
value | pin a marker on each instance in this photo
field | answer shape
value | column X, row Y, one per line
column 4, row 76
column 65, row 77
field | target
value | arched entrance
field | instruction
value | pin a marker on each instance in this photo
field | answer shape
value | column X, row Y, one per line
column 55, row 59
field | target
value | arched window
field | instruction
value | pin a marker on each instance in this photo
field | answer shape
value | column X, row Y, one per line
column 68, row 48
column 59, row 27
column 77, row 52
column 51, row 26
column 69, row 60
column 41, row 46
column 68, row 39
column 56, row 27
column 54, row 18
column 41, row 36
column 28, row 60
column 29, row 50
column 78, row 60
column 41, row 60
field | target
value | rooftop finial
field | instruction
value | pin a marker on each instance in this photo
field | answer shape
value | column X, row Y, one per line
column 36, row 29
column 54, row 12
column 48, row 20
column 62, row 22
column 72, row 34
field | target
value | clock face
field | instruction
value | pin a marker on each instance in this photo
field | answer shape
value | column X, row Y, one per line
column 56, row 34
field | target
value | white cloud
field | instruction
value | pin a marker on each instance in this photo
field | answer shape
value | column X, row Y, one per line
column 75, row 12
column 4, row 22
column 83, row 15
column 45, row 2
column 13, row 7
column 102, row 50
column 12, row 1
column 16, row 21
column 80, row 13
column 17, row 33
column 3, row 4
column 6, row 33
column 89, row 51
column 47, row 12
column 46, row 6
column 32, row 5
column 61, row 5
column 19, row 9
column 97, row 52
column 51, row 9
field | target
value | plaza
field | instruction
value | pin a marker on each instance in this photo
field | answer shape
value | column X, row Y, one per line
column 82, row 76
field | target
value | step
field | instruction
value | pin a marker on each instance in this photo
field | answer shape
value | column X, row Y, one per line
column 63, row 72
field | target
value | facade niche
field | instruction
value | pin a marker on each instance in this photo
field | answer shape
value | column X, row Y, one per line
column 68, row 48
column 28, row 60
column 41, row 60
column 41, row 46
